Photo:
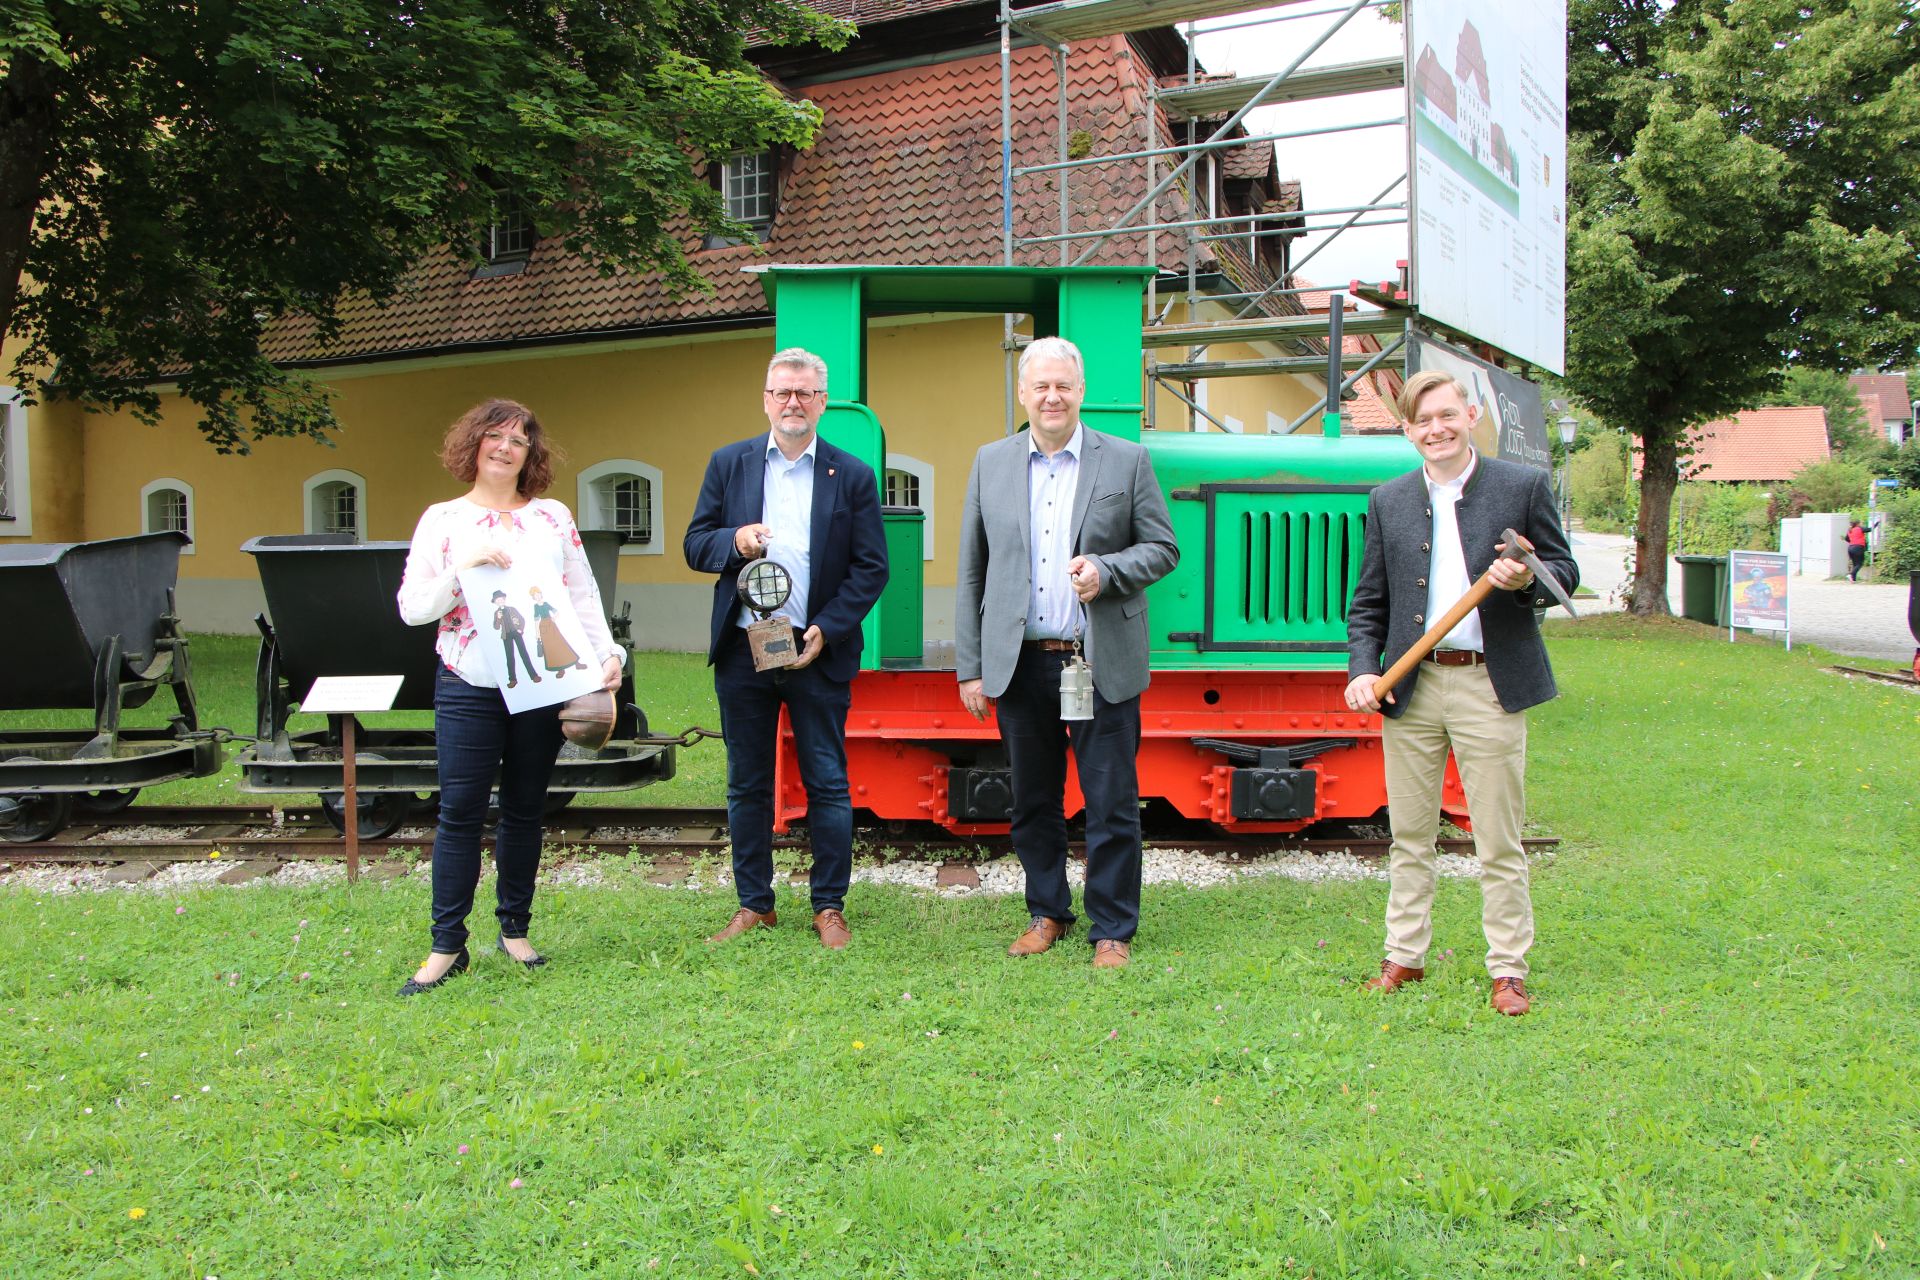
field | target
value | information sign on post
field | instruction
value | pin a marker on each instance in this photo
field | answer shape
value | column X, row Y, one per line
column 348, row 696
column 1757, row 593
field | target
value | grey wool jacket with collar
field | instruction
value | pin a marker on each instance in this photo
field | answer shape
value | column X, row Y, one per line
column 1388, row 611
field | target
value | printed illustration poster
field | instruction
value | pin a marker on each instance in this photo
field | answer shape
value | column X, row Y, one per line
column 530, row 637
column 1488, row 98
column 1758, row 587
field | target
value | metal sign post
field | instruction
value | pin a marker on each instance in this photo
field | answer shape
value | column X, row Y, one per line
column 348, row 696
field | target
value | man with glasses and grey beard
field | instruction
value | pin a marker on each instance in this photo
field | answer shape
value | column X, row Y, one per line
column 792, row 498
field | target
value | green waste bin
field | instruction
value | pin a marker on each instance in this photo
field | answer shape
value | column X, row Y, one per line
column 901, row 605
column 1703, row 589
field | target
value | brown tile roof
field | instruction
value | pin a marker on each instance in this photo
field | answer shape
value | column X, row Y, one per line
column 906, row 168
column 1758, row 444
column 1870, row 405
column 1892, row 390
column 1255, row 161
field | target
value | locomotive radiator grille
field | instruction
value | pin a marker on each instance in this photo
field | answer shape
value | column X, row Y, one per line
column 1283, row 564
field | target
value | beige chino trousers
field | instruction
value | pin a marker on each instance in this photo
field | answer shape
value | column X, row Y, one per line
column 1455, row 707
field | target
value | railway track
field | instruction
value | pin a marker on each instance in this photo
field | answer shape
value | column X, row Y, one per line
column 157, row 835
column 1887, row 677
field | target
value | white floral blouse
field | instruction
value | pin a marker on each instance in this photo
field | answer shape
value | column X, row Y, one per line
column 542, row 532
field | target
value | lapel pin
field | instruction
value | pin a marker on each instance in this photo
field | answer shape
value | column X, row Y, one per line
column 829, row 470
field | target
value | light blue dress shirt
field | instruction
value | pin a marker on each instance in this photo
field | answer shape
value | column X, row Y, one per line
column 1053, row 611
column 787, row 508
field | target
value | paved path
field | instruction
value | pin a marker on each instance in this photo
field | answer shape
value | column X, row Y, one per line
column 1864, row 620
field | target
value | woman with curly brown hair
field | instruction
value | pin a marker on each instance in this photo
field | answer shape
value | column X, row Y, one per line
column 500, row 450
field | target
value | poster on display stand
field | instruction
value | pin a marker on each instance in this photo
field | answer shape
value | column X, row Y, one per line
column 1757, row 593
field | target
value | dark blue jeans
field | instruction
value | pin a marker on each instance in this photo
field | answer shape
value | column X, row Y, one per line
column 477, row 741
column 750, row 703
column 1104, row 751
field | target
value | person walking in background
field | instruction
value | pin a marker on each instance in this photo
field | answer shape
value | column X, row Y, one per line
column 500, row 450
column 797, row 500
column 1856, row 550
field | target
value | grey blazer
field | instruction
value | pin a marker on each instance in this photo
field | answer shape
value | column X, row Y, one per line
column 1389, row 604
column 1119, row 522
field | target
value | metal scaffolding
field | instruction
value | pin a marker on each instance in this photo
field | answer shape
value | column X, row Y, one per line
column 1263, row 314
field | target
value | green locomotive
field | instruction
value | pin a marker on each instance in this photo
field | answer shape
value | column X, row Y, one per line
column 1243, row 725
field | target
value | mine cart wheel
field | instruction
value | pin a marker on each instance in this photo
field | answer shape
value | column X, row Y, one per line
column 425, row 804
column 38, row 817
column 381, row 812
column 558, row 800
column 97, row 804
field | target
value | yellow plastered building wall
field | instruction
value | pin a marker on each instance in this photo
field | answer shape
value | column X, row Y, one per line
column 42, row 459
column 936, row 383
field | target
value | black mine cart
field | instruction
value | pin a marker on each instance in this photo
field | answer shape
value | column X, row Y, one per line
column 91, row 624
column 333, row 610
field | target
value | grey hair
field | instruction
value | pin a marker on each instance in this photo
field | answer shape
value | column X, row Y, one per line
column 799, row 358
column 1054, row 349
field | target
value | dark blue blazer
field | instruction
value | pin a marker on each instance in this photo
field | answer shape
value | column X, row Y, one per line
column 847, row 553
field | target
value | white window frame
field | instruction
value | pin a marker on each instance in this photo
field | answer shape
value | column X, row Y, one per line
column 313, row 482
column 923, row 472
column 762, row 170
column 19, row 464
column 146, row 507
column 592, row 515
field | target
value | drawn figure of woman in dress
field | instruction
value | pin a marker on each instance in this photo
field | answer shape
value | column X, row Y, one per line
column 555, row 653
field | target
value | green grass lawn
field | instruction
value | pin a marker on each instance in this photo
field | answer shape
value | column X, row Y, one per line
column 1719, row 1079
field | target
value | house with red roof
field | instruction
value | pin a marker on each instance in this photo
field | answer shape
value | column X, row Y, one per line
column 1886, row 399
column 638, row 385
column 1764, row 446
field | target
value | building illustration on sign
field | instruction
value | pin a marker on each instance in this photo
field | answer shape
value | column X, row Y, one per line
column 1457, row 108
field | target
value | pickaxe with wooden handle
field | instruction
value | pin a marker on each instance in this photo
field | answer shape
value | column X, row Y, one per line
column 1513, row 547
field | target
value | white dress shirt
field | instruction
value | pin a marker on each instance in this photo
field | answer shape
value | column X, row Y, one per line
column 786, row 497
column 1053, row 610
column 1447, row 577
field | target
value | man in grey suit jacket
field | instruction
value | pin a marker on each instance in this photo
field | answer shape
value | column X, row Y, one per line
column 1064, row 528
column 1430, row 534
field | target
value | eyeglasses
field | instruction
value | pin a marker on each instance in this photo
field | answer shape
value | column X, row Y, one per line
column 497, row 438
column 803, row 394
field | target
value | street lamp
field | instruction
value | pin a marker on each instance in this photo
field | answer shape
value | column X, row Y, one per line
column 1568, row 425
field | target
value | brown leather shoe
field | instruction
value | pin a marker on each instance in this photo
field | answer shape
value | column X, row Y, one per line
column 1510, row 997
column 1040, row 936
column 1394, row 976
column 744, row 920
column 1111, row 953
column 833, row 930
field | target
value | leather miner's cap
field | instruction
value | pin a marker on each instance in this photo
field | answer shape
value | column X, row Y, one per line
column 587, row 721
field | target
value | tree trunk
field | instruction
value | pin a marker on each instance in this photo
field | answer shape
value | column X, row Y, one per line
column 1659, row 476
column 27, row 117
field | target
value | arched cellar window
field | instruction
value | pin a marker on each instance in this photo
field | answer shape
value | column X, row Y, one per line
column 335, row 502
column 623, row 496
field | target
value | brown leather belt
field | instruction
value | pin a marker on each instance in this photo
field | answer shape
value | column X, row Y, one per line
column 1049, row 646
column 1456, row 657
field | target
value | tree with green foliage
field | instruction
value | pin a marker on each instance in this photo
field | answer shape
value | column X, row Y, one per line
column 176, row 177
column 1834, row 485
column 1744, row 196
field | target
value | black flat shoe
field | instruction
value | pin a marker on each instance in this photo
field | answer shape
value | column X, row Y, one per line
column 459, row 966
column 500, row 945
